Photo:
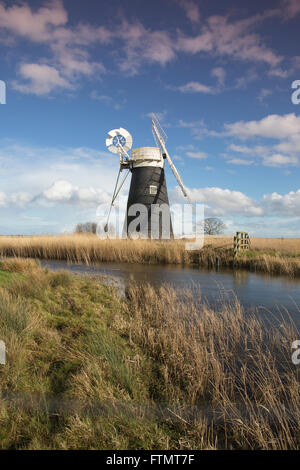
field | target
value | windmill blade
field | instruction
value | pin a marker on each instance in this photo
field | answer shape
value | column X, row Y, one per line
column 128, row 139
column 113, row 132
column 159, row 128
column 113, row 149
column 124, row 132
column 111, row 146
column 160, row 139
column 109, row 141
column 179, row 180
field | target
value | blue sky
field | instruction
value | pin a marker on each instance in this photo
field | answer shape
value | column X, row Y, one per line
column 218, row 74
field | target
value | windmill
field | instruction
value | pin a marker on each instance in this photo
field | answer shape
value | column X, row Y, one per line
column 148, row 193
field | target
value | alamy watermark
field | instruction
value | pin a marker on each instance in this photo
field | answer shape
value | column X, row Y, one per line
column 2, row 92
column 296, row 94
column 160, row 221
column 296, row 353
column 2, row 353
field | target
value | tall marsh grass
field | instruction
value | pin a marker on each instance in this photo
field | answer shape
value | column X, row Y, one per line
column 158, row 370
column 89, row 248
column 229, row 377
column 274, row 256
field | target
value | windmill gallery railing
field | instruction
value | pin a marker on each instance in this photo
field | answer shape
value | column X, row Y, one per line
column 241, row 242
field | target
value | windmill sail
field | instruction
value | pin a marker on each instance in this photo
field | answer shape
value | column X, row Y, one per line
column 148, row 211
column 160, row 138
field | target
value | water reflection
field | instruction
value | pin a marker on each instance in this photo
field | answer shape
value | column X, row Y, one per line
column 240, row 277
column 267, row 294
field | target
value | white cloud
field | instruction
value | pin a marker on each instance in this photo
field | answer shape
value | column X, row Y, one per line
column 195, row 87
column 141, row 45
column 225, row 202
column 279, row 160
column 32, row 168
column 192, row 124
column 63, row 191
column 74, row 61
column 2, row 199
column 286, row 205
column 284, row 128
column 272, row 126
column 248, row 77
column 197, row 155
column 59, row 191
column 161, row 115
column 292, row 145
column 48, row 25
column 198, row 128
column 136, row 44
column 84, row 178
column 220, row 74
column 291, row 8
column 279, row 72
column 104, row 98
column 264, row 92
column 115, row 103
column 240, row 148
column 191, row 10
column 20, row 199
column 42, row 79
column 232, row 38
column 36, row 26
column 239, row 161
column 222, row 202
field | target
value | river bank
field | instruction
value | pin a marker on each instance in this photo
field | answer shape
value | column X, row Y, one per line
column 267, row 295
column 273, row 256
column 89, row 369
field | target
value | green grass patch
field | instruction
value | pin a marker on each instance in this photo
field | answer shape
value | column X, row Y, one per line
column 71, row 380
column 5, row 277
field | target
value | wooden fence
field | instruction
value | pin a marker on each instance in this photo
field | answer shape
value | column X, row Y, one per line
column 241, row 242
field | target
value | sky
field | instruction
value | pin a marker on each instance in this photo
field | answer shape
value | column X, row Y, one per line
column 217, row 73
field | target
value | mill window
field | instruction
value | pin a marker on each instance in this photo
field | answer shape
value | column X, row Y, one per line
column 153, row 190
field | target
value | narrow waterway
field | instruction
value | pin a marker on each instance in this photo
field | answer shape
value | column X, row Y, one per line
column 268, row 295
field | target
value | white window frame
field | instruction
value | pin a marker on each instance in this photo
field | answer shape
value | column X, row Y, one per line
column 152, row 190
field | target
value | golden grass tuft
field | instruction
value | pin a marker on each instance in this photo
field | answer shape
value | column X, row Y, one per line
column 19, row 265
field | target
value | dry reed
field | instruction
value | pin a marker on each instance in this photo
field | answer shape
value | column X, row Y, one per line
column 224, row 372
column 159, row 370
column 274, row 256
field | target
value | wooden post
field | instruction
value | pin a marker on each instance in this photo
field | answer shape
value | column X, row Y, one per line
column 241, row 242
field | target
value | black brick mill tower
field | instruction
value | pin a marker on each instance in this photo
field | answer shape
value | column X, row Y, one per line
column 148, row 188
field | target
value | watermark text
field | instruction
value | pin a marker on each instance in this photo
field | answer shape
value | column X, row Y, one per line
column 160, row 221
column 2, row 92
column 296, row 94
column 2, row 353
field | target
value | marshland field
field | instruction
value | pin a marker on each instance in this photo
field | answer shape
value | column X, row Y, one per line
column 87, row 368
column 269, row 255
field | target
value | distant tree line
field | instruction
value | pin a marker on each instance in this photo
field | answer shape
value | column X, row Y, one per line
column 87, row 227
column 213, row 226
